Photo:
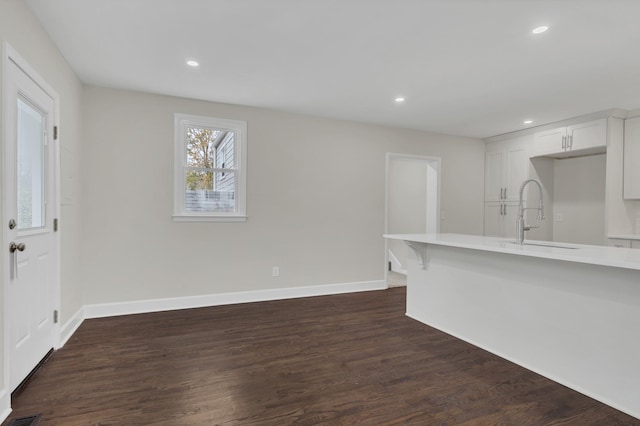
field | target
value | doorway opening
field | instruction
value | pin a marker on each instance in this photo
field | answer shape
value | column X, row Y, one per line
column 412, row 206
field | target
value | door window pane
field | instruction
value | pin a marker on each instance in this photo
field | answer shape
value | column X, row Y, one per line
column 30, row 166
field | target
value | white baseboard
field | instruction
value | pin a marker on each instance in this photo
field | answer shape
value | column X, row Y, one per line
column 5, row 405
column 169, row 304
column 70, row 327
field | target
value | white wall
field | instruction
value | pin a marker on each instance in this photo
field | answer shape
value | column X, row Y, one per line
column 579, row 200
column 20, row 29
column 315, row 200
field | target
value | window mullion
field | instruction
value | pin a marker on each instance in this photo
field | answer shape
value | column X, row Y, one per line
column 198, row 169
column 209, row 169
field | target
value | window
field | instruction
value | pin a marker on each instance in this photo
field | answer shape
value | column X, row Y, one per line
column 210, row 169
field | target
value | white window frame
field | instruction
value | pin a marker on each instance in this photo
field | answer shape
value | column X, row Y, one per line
column 181, row 123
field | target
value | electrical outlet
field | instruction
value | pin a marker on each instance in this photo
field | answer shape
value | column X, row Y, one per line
column 559, row 217
column 276, row 271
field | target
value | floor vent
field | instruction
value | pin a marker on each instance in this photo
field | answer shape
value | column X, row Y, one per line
column 25, row 421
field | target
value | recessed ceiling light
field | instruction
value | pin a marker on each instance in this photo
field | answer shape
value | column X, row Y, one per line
column 540, row 29
column 192, row 63
column 528, row 121
column 399, row 99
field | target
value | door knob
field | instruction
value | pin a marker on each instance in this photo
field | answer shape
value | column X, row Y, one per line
column 13, row 247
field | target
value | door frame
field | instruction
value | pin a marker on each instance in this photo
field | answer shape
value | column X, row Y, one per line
column 9, row 54
column 434, row 165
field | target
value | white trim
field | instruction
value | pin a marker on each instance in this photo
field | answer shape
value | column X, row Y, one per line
column 178, row 218
column 9, row 54
column 6, row 49
column 70, row 327
column 188, row 302
column 5, row 405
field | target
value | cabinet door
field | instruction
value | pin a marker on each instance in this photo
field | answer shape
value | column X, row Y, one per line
column 509, row 220
column 493, row 176
column 616, row 242
column 587, row 135
column 632, row 158
column 549, row 142
column 517, row 159
column 493, row 213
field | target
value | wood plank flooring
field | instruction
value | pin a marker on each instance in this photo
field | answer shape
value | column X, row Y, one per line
column 352, row 359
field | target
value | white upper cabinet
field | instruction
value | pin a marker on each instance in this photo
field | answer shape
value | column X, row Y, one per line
column 549, row 142
column 587, row 135
column 632, row 158
column 506, row 167
column 570, row 141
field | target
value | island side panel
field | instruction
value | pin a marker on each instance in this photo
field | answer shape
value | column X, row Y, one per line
column 577, row 324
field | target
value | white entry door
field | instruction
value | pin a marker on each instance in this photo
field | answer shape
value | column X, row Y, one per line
column 29, row 207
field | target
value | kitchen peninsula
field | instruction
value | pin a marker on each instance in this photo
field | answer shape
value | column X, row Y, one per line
column 568, row 312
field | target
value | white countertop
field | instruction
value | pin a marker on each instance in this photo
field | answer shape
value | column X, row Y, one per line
column 596, row 255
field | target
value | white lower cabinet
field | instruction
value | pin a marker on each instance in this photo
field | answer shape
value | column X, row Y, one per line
column 500, row 219
column 618, row 242
column 623, row 243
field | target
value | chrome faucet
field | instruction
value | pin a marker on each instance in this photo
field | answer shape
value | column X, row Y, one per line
column 520, row 226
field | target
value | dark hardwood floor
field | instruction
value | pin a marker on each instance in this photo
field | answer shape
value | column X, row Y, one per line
column 352, row 359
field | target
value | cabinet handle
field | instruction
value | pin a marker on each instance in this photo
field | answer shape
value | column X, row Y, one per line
column 564, row 143
column 505, row 193
column 570, row 142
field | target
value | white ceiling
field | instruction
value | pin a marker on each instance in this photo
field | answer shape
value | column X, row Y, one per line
column 466, row 67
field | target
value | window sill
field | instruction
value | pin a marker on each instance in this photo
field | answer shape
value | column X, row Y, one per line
column 187, row 218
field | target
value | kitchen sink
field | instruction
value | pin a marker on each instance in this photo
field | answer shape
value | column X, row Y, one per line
column 546, row 245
